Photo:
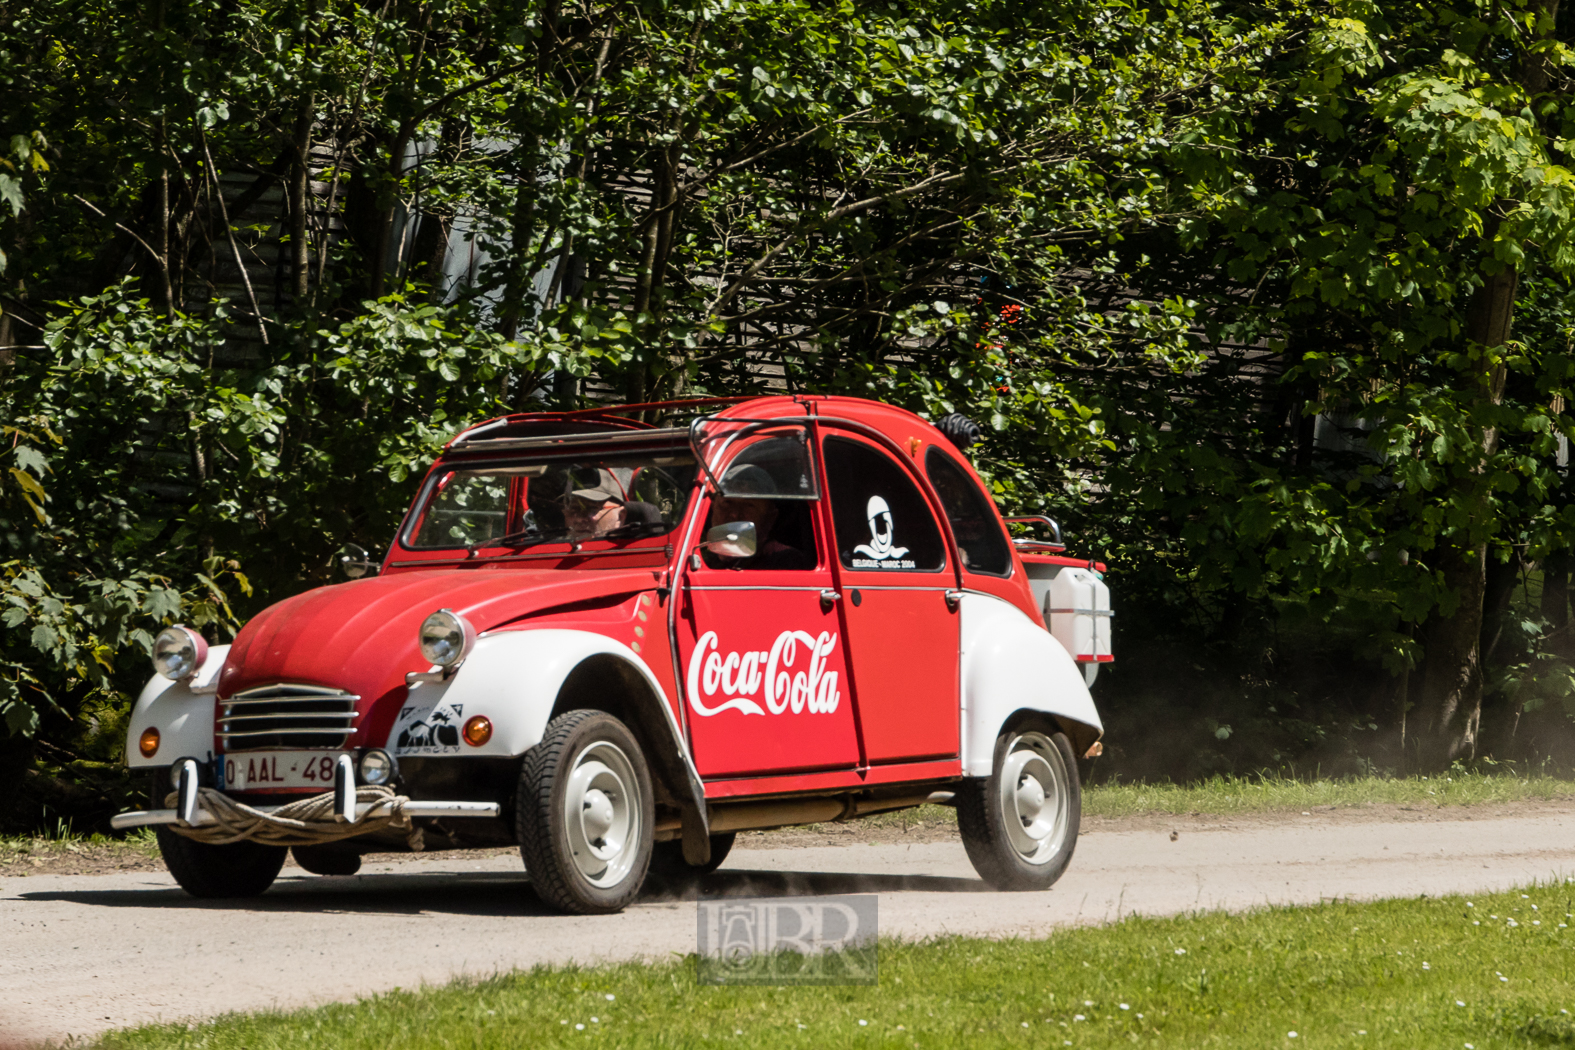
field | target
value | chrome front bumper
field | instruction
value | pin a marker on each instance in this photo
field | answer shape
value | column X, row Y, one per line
column 202, row 818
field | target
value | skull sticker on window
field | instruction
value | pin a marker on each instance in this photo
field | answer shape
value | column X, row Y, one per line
column 882, row 520
column 882, row 547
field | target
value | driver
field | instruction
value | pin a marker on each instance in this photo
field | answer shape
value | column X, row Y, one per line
column 597, row 510
column 750, row 491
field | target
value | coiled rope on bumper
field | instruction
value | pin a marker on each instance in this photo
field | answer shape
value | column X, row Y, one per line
column 304, row 822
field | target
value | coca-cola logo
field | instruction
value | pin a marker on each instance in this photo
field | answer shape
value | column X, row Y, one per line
column 776, row 676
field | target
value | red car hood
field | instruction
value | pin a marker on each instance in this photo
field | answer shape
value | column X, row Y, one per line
column 361, row 636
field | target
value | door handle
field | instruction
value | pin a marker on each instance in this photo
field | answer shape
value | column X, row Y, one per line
column 953, row 600
column 828, row 598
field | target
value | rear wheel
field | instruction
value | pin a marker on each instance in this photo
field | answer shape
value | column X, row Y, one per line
column 585, row 814
column 240, row 869
column 667, row 858
column 1020, row 824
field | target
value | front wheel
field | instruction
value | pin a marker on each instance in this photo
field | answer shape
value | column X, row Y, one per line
column 586, row 814
column 239, row 869
column 1019, row 825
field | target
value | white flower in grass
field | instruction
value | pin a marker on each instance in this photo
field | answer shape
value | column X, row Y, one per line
column 1459, row 1003
column 1079, row 1017
column 1475, row 923
column 1025, row 1024
column 1290, row 1035
column 1503, row 978
column 1124, row 1006
column 579, row 1028
column 1470, row 1047
column 611, row 997
column 862, row 1022
column 1470, row 905
column 596, row 1020
column 1361, row 1031
column 738, row 1031
column 1181, row 951
column 1425, row 966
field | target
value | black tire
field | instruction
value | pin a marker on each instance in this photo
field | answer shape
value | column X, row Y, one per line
column 667, row 858
column 241, row 869
column 1037, row 853
column 597, row 864
column 327, row 859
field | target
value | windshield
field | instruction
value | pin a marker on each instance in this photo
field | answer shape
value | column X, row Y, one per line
column 521, row 503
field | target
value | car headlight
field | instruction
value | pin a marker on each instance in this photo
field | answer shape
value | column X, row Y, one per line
column 378, row 767
column 178, row 652
column 446, row 638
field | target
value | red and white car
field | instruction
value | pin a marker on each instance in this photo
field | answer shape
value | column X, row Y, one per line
column 616, row 645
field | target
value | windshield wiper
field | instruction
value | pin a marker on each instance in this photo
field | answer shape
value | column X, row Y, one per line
column 527, row 538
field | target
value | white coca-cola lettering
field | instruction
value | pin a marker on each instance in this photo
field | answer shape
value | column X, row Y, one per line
column 741, row 677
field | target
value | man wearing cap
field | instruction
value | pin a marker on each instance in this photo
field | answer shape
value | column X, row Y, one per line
column 596, row 510
column 749, row 490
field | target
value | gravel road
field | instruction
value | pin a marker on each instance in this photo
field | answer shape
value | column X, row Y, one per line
column 84, row 953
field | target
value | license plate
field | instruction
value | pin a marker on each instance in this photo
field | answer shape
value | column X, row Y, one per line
column 278, row 770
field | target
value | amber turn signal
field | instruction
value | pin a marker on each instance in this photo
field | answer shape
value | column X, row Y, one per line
column 148, row 742
column 478, row 730
column 1095, row 749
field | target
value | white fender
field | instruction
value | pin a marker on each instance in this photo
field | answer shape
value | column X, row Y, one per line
column 1011, row 663
column 181, row 711
column 513, row 678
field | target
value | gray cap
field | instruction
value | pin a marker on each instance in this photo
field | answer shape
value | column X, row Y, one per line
column 746, row 479
column 606, row 488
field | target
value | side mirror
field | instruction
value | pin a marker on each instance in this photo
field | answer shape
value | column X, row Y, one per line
column 354, row 561
column 736, row 539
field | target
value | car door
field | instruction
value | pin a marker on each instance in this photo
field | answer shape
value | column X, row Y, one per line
column 902, row 630
column 760, row 643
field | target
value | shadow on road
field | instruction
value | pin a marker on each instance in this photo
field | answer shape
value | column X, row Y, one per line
column 500, row 893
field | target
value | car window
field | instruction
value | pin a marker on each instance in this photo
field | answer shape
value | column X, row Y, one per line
column 615, row 498
column 882, row 521
column 980, row 543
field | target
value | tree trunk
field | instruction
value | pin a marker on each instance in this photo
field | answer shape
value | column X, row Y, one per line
column 300, row 195
column 1556, row 604
column 1449, row 700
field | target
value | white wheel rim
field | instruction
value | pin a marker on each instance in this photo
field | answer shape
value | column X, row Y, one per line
column 1035, row 798
column 601, row 811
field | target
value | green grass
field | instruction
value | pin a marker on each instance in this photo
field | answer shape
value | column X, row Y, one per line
column 61, row 839
column 1223, row 796
column 1227, row 795
column 1497, row 972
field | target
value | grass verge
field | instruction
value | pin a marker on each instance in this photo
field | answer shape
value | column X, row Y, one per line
column 1479, row 972
column 20, row 853
column 1227, row 795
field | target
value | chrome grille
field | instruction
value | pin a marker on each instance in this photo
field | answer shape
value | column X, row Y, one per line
column 287, row 716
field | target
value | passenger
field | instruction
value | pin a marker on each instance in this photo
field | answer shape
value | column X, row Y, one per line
column 750, row 490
